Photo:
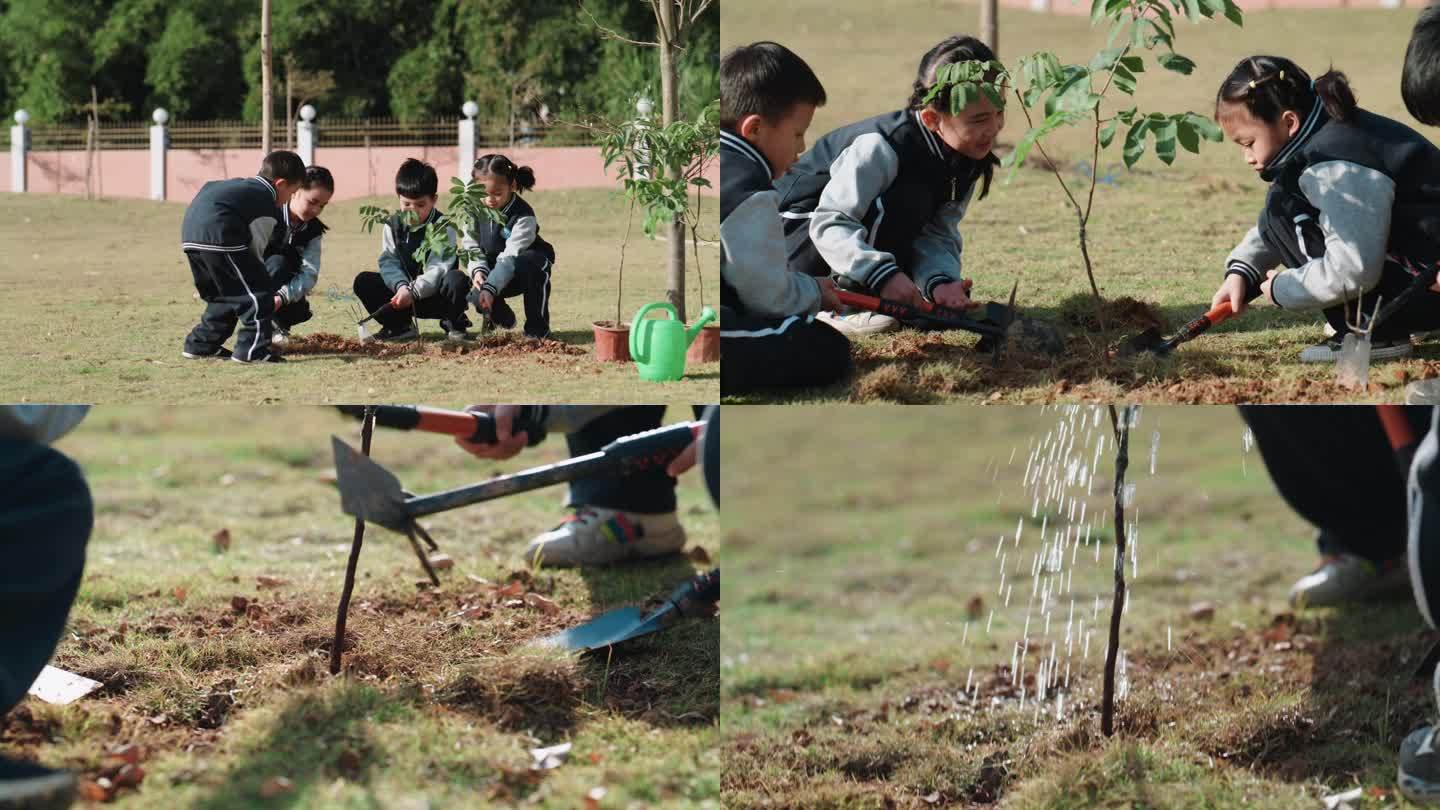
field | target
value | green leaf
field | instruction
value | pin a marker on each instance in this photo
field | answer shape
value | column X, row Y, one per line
column 1208, row 129
column 1188, row 137
column 990, row 92
column 1104, row 59
column 1233, row 13
column 1107, row 132
column 1165, row 135
column 1135, row 142
column 1212, row 7
column 1134, row 64
column 1097, row 12
column 1126, row 116
column 1192, row 10
column 1176, row 62
column 1124, row 80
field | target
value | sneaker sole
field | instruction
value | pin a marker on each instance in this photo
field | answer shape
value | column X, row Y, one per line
column 1416, row 789
column 1387, row 353
column 215, row 356
column 53, row 792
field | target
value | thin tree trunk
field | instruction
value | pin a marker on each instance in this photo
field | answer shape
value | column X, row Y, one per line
column 267, row 97
column 1121, row 423
column 289, row 104
column 367, row 427
column 669, row 32
column 90, row 146
column 990, row 25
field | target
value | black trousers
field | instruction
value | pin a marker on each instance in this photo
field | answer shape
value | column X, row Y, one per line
column 236, row 290
column 649, row 492
column 447, row 304
column 1334, row 466
column 763, row 353
column 531, row 280
column 44, row 525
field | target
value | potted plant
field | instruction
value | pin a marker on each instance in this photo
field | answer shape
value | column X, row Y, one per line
column 659, row 165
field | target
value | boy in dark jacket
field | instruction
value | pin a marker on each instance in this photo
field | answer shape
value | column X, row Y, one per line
column 229, row 275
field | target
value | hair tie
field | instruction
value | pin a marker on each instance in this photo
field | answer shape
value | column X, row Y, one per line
column 1282, row 75
column 1252, row 84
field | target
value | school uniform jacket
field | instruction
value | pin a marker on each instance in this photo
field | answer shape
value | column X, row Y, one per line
column 218, row 220
column 1356, row 193
column 879, row 197
column 754, row 276
column 397, row 257
column 502, row 244
column 284, row 239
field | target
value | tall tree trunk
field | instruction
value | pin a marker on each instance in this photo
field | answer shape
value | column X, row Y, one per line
column 289, row 103
column 266, row 91
column 90, row 145
column 669, row 31
column 990, row 24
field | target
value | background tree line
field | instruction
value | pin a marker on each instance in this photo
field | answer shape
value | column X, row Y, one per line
column 410, row 59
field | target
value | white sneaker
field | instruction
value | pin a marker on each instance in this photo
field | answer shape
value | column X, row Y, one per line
column 1329, row 351
column 1346, row 578
column 860, row 324
column 279, row 337
column 598, row 536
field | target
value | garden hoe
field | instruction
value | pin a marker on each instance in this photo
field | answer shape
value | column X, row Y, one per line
column 696, row 597
column 473, row 427
column 360, row 324
column 372, row 493
column 1152, row 340
column 993, row 325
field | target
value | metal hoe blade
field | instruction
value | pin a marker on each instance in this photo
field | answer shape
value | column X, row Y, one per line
column 367, row 490
column 601, row 631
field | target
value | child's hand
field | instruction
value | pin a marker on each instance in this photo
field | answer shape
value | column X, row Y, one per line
column 1232, row 290
column 487, row 300
column 1266, row 286
column 829, row 301
column 900, row 288
column 403, row 298
column 279, row 302
column 505, row 445
column 955, row 294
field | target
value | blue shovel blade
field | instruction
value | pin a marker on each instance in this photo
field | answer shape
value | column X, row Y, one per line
column 601, row 631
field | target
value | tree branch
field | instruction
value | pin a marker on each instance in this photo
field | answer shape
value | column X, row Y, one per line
column 610, row 33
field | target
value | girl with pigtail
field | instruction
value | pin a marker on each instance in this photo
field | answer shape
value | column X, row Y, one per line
column 878, row 203
column 514, row 259
column 1353, row 210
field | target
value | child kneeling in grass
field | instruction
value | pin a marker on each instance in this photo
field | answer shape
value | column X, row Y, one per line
column 769, row 333
column 879, row 202
column 292, row 250
column 435, row 290
column 514, row 259
column 1353, row 211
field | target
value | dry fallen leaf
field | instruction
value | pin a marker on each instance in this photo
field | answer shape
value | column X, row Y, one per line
column 180, row 592
column 269, row 581
column 975, row 607
column 275, row 786
column 239, row 604
column 515, row 588
column 593, row 797
column 130, row 776
column 222, row 540
column 1202, row 611
column 542, row 604
column 129, row 753
column 96, row 792
column 699, row 555
column 441, row 562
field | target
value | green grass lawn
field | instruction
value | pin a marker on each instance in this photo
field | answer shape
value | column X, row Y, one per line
column 101, row 300
column 857, row 617
column 1158, row 234
column 225, row 682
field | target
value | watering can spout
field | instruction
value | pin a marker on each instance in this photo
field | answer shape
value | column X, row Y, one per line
column 706, row 316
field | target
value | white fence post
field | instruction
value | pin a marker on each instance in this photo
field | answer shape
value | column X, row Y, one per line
column 305, row 135
column 159, row 144
column 19, row 143
column 467, row 139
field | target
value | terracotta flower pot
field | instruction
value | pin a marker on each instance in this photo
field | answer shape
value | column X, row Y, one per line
column 706, row 346
column 612, row 343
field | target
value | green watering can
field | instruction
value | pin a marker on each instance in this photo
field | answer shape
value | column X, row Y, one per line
column 658, row 345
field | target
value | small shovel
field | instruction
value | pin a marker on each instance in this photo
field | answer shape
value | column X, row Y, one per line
column 372, row 493
column 1152, row 340
column 994, row 325
column 695, row 597
column 360, row 324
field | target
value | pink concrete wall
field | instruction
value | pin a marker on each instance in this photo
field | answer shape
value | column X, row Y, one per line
column 126, row 172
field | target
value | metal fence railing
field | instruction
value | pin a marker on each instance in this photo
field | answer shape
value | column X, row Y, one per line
column 338, row 132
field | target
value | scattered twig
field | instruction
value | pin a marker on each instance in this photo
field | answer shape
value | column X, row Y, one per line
column 367, row 427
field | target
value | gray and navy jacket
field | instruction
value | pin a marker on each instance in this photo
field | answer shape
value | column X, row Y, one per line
column 290, row 247
column 220, row 217
column 502, row 244
column 754, row 276
column 879, row 197
column 1345, row 198
column 397, row 257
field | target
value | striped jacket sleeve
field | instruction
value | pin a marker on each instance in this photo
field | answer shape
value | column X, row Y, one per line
column 858, row 176
column 1251, row 260
column 390, row 267
column 937, row 248
column 752, row 260
column 1355, row 204
column 522, row 236
column 304, row 281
